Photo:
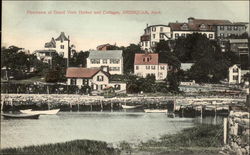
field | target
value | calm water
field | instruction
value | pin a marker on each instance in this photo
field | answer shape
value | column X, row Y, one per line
column 111, row 127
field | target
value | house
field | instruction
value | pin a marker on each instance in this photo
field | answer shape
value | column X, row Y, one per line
column 234, row 74
column 192, row 26
column 104, row 47
column 152, row 35
column 239, row 46
column 111, row 58
column 186, row 66
column 60, row 44
column 148, row 64
column 45, row 55
column 96, row 78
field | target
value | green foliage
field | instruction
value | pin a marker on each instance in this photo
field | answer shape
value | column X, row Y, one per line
column 79, row 59
column 199, row 136
column 166, row 56
column 129, row 56
column 76, row 147
column 173, row 82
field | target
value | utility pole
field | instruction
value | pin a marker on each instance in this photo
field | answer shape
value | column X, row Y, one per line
column 69, row 50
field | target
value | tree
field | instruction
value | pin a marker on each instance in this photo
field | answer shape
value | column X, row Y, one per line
column 129, row 56
column 79, row 59
column 173, row 82
column 166, row 56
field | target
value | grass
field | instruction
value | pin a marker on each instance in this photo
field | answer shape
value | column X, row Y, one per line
column 76, row 147
column 29, row 80
column 202, row 139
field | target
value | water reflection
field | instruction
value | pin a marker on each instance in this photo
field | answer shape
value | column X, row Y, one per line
column 112, row 127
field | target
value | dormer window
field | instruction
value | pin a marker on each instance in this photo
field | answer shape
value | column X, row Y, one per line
column 203, row 26
column 184, row 27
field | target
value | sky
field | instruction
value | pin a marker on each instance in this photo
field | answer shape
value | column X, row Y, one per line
column 86, row 31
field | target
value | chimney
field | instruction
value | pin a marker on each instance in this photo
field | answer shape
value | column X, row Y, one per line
column 105, row 68
column 147, row 25
column 190, row 20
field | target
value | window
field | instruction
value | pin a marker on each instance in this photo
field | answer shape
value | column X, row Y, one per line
column 142, row 44
column 203, row 26
column 183, row 34
column 184, row 27
column 62, row 46
column 153, row 36
column 95, row 61
column 162, row 36
column 153, row 67
column 162, row 67
column 100, row 78
column 176, row 35
column 117, row 87
column 235, row 70
column 229, row 28
column 137, row 67
column 161, row 29
column 105, row 61
column 114, row 61
column 147, row 67
column 235, row 77
column 146, row 43
column 205, row 34
column 235, row 27
column 153, row 29
column 114, row 68
column 221, row 27
column 73, row 82
column 221, row 34
column 84, row 81
column 210, row 35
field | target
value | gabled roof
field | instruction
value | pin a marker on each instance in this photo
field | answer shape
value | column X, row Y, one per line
column 211, row 21
column 51, row 44
column 101, row 46
column 62, row 37
column 79, row 72
column 146, row 59
column 190, row 27
column 109, row 54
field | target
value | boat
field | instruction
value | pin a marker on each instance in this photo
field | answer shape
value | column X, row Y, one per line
column 131, row 107
column 155, row 110
column 41, row 112
column 21, row 116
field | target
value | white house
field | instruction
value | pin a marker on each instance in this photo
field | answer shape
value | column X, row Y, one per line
column 148, row 64
column 60, row 44
column 152, row 35
column 45, row 55
column 96, row 78
column 111, row 58
column 234, row 74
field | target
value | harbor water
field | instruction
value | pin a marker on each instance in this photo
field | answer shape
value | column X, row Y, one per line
column 112, row 127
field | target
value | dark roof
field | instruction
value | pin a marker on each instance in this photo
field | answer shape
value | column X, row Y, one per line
column 190, row 27
column 146, row 59
column 211, row 21
column 79, row 72
column 62, row 37
column 51, row 44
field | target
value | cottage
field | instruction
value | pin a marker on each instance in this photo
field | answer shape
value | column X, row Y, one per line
column 111, row 58
column 234, row 74
column 96, row 78
column 148, row 64
column 60, row 45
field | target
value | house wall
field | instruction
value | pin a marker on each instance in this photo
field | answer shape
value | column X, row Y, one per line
column 235, row 29
column 154, row 33
column 184, row 33
column 144, row 70
column 231, row 75
column 64, row 52
column 111, row 66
